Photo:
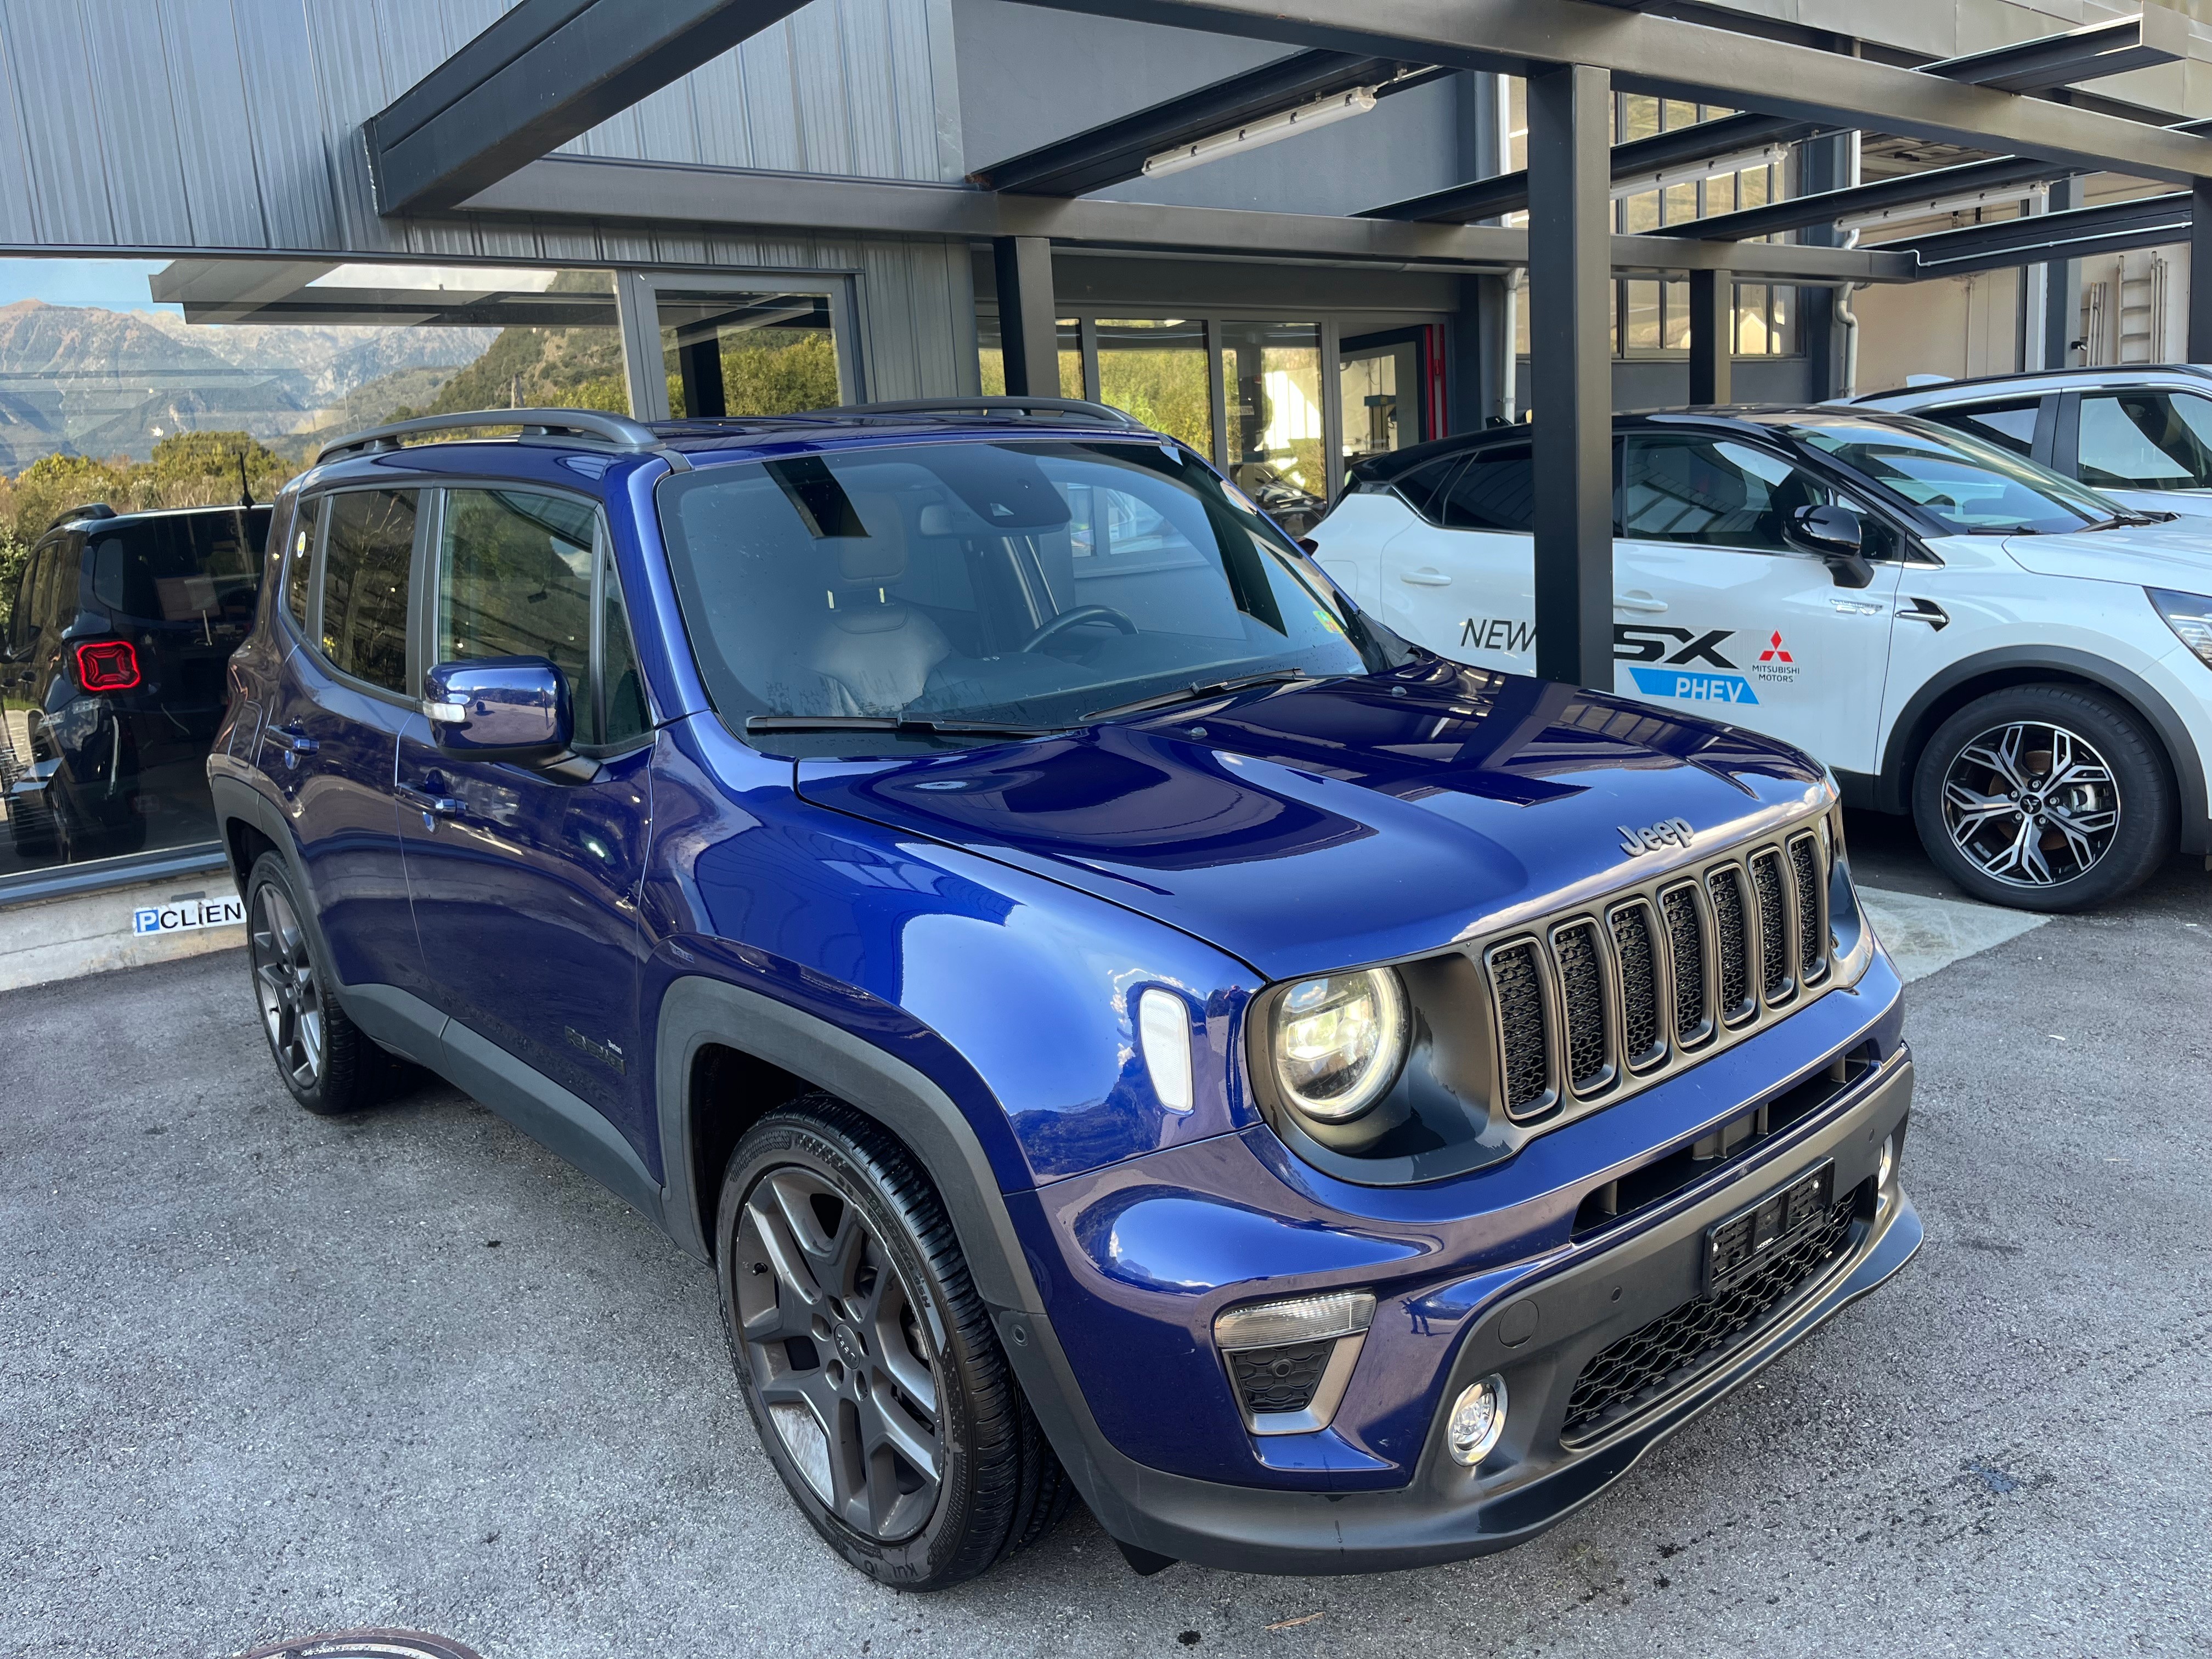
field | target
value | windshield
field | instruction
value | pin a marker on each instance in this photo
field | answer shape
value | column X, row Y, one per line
column 1974, row 487
column 1024, row 584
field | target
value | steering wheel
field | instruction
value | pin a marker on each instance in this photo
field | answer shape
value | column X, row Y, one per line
column 1076, row 618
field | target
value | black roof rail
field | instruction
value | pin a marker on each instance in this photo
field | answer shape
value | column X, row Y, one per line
column 576, row 425
column 89, row 510
column 1020, row 408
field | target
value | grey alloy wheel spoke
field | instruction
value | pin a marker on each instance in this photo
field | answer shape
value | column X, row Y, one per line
column 2032, row 804
column 839, row 1366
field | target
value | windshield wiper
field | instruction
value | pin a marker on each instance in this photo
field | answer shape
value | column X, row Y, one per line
column 1203, row 689
column 2121, row 520
column 898, row 723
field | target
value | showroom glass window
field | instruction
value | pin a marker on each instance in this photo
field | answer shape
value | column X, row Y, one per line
column 132, row 401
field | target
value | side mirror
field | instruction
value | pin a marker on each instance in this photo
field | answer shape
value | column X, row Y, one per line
column 1836, row 534
column 500, row 708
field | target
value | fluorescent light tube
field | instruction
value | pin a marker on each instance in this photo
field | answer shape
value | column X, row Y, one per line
column 1265, row 131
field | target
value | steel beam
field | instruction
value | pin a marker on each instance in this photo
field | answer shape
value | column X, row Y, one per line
column 2154, row 36
column 1028, row 327
column 1712, row 336
column 1671, row 58
column 2063, row 235
column 1114, row 151
column 541, row 74
column 571, row 188
column 1571, row 357
column 1828, row 206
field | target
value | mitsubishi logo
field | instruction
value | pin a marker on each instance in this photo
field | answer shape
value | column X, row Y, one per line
column 1774, row 651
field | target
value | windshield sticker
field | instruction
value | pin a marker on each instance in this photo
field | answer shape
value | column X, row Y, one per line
column 1695, row 687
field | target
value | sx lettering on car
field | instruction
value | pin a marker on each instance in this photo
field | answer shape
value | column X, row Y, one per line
column 1124, row 1050
column 2021, row 664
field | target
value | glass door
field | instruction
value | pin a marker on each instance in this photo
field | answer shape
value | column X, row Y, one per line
column 1381, row 388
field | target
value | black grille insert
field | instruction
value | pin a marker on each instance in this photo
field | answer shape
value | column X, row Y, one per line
column 1805, row 874
column 1773, row 923
column 1582, row 992
column 1653, row 1361
column 1685, row 938
column 1639, row 984
column 1734, row 946
column 1279, row 1379
column 1518, row 984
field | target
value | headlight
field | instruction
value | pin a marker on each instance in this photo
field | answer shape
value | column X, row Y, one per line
column 2189, row 616
column 1339, row 1041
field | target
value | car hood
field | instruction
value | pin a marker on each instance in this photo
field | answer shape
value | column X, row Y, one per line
column 1314, row 826
column 2176, row 554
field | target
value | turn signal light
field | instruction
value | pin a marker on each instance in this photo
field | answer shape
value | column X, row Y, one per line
column 107, row 666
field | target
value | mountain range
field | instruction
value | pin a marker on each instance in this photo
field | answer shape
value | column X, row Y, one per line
column 81, row 379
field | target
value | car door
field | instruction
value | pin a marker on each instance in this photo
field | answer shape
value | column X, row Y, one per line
column 1724, row 616
column 525, row 878
column 1461, row 580
column 333, row 725
column 2145, row 447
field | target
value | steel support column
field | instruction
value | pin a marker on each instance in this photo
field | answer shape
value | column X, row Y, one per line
column 1570, row 353
column 2062, row 289
column 2199, row 342
column 1712, row 345
column 1028, row 334
column 700, row 365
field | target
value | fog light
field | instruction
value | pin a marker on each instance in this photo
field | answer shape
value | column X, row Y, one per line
column 1888, row 1164
column 1478, row 1418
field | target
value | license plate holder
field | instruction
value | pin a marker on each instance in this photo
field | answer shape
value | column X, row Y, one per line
column 1741, row 1243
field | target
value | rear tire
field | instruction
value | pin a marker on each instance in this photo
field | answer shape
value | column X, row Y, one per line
column 327, row 1063
column 867, row 1360
column 2049, row 798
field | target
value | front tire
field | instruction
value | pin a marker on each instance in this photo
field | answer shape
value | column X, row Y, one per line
column 327, row 1063
column 867, row 1360
column 2047, row 798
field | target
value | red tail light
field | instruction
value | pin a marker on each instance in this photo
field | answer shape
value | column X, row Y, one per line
column 107, row 666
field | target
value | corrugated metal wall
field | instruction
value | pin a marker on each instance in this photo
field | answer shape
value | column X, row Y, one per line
column 233, row 125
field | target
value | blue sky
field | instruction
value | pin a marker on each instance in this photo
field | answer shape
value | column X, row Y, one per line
column 116, row 284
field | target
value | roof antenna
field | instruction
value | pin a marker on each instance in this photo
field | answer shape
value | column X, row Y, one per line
column 245, row 489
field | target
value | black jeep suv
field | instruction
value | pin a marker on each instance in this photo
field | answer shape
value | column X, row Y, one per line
column 113, row 668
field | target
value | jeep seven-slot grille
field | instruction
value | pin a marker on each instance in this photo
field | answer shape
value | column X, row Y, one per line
column 1639, row 982
column 1581, row 986
column 1773, row 921
column 1805, row 875
column 1685, row 944
column 1725, row 885
column 1518, row 984
column 1598, row 1003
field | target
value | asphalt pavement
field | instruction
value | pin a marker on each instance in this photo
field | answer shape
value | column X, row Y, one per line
column 264, row 1375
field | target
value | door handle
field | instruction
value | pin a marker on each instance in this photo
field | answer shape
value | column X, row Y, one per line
column 1425, row 578
column 1639, row 601
column 1926, row 610
column 430, row 806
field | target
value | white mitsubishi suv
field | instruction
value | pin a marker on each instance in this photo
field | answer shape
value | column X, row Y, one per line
column 2022, row 663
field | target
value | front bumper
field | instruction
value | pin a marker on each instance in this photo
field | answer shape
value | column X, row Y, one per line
column 1583, row 1305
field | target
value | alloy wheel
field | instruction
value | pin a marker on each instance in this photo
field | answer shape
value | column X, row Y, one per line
column 290, row 989
column 2031, row 804
column 840, row 1355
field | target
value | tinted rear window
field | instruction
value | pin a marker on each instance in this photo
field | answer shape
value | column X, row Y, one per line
column 181, row 568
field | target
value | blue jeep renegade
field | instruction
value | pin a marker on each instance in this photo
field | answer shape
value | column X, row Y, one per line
column 1119, row 1021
